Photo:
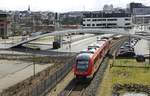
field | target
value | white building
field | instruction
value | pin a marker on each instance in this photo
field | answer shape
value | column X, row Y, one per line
column 141, row 19
column 106, row 20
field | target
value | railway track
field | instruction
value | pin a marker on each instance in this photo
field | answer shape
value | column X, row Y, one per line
column 76, row 88
column 116, row 45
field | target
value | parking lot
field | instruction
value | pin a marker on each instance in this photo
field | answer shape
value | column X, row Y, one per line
column 128, row 48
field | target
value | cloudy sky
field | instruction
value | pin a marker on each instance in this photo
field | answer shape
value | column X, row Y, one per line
column 64, row 5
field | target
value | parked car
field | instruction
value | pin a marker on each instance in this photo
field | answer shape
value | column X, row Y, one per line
column 127, row 54
column 140, row 58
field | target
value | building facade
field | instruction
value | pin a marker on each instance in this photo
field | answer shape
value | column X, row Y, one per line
column 141, row 11
column 141, row 19
column 135, row 5
column 3, row 25
column 106, row 20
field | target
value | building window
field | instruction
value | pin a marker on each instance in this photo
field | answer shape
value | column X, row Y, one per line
column 111, row 19
column 88, row 20
column 88, row 24
column 93, row 24
column 98, row 19
column 101, row 19
column 83, row 19
column 104, row 24
column 94, row 20
column 98, row 24
column 127, row 23
column 83, row 24
column 111, row 24
column 127, row 19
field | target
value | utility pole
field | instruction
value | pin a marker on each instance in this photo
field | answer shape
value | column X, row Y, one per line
column 114, row 58
column 149, row 50
column 33, row 24
column 33, row 54
column 129, row 40
column 57, row 39
column 70, row 43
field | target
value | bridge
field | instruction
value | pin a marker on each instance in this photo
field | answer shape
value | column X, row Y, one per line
column 91, row 31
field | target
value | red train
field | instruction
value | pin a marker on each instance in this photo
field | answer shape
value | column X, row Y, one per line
column 85, row 64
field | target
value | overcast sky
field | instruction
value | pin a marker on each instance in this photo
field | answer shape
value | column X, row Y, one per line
column 64, row 5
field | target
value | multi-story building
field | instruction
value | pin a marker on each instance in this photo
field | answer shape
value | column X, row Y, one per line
column 140, row 13
column 135, row 5
column 141, row 19
column 106, row 20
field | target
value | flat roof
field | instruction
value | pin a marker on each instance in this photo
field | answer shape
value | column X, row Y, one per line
column 148, row 15
column 105, row 15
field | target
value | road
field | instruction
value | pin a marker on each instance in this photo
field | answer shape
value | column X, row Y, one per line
column 77, row 46
column 42, row 44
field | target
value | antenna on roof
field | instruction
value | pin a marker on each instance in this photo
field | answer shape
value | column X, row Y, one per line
column 28, row 7
column 83, row 7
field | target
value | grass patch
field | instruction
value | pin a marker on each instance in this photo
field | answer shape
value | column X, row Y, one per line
column 130, row 75
column 125, row 71
column 130, row 62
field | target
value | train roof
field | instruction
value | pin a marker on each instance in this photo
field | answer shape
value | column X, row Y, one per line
column 94, row 46
column 84, row 56
column 97, row 45
column 88, row 51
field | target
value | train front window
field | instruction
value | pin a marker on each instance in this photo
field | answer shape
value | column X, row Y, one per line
column 82, row 65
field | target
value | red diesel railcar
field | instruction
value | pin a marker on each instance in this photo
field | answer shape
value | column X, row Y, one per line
column 85, row 64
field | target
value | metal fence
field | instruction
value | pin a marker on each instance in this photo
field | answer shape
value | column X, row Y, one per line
column 44, row 86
